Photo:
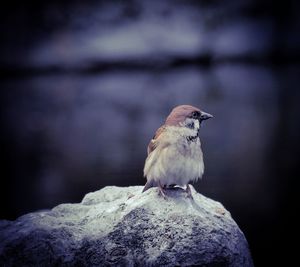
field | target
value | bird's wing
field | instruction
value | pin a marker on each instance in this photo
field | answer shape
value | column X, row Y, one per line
column 155, row 140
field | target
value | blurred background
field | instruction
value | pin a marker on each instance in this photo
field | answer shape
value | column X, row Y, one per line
column 85, row 84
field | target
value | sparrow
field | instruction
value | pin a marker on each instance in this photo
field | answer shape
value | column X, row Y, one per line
column 174, row 154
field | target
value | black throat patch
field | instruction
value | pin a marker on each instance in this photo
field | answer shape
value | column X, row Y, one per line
column 192, row 138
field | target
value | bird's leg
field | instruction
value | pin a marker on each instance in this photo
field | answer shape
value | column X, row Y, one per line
column 161, row 190
column 188, row 191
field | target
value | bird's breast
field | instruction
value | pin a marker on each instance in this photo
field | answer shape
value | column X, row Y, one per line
column 182, row 163
column 189, row 147
column 176, row 160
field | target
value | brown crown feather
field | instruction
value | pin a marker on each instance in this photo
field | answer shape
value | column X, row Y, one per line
column 179, row 114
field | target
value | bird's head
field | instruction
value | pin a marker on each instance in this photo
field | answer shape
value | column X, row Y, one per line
column 187, row 116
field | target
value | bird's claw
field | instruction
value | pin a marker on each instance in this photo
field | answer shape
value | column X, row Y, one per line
column 161, row 191
column 189, row 192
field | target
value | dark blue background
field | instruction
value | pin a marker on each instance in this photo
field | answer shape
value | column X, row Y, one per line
column 84, row 86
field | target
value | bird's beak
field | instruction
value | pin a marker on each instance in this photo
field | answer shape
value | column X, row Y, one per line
column 205, row 116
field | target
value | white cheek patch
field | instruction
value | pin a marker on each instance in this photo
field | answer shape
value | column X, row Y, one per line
column 197, row 124
column 192, row 124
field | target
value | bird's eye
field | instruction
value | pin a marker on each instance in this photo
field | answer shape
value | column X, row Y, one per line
column 195, row 114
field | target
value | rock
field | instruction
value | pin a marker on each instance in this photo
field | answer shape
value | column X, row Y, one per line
column 123, row 227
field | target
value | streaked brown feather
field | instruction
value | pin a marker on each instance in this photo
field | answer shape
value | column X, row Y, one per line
column 154, row 141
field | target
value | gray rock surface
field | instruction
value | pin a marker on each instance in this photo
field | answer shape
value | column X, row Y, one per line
column 123, row 227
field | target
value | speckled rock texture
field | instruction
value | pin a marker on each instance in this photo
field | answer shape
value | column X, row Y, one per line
column 122, row 227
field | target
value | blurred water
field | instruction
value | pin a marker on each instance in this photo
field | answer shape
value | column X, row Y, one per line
column 93, row 130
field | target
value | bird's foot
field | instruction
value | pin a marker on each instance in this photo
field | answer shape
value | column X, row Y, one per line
column 189, row 192
column 161, row 190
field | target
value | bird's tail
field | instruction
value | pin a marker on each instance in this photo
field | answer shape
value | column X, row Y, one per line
column 148, row 185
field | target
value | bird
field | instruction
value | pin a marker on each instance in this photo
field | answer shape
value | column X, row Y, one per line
column 175, row 157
